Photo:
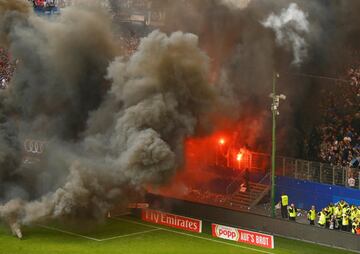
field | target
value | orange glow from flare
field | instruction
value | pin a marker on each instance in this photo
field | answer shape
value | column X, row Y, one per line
column 221, row 141
column 239, row 156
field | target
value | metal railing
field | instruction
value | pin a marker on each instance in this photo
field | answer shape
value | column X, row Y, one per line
column 256, row 197
column 299, row 169
column 305, row 170
column 312, row 171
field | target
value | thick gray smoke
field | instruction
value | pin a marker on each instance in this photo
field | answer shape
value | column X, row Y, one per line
column 290, row 27
column 245, row 54
column 112, row 126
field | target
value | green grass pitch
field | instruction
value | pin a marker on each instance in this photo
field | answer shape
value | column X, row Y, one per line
column 129, row 236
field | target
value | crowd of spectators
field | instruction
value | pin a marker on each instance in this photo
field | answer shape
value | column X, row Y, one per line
column 129, row 44
column 7, row 68
column 50, row 3
column 340, row 129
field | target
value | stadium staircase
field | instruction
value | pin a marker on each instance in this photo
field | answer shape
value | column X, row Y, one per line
column 248, row 198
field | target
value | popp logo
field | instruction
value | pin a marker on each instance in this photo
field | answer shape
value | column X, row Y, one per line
column 227, row 233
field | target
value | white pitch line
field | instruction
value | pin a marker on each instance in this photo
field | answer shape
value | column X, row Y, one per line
column 195, row 236
column 99, row 240
column 132, row 234
column 70, row 233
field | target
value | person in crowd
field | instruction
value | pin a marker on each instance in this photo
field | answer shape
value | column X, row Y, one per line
column 50, row 3
column 355, row 224
column 353, row 213
column 331, row 208
column 322, row 218
column 342, row 203
column 345, row 221
column 284, row 201
column 292, row 212
column 312, row 215
column 327, row 216
column 333, row 223
column 338, row 211
column 351, row 181
column 357, row 230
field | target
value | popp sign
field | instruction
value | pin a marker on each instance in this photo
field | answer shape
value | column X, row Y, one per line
column 244, row 236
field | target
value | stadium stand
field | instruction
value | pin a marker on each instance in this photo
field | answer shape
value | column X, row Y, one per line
column 339, row 135
column 129, row 44
column 339, row 131
column 7, row 68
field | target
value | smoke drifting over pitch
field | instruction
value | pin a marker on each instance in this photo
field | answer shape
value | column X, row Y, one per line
column 115, row 125
column 107, row 138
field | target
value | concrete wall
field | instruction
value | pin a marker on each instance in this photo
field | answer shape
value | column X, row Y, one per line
column 304, row 193
column 211, row 214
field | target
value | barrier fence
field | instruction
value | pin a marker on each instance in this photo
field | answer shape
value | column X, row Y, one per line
column 304, row 170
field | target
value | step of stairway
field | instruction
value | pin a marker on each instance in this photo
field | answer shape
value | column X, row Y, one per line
column 245, row 199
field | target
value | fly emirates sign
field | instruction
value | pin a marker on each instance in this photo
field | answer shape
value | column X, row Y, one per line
column 244, row 236
column 171, row 220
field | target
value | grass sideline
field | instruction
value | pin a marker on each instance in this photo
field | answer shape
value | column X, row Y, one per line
column 131, row 236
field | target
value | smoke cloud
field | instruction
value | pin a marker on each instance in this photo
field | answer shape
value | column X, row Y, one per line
column 245, row 54
column 112, row 125
column 289, row 27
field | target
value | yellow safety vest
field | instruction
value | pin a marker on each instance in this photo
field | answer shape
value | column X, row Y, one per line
column 292, row 212
column 284, row 200
column 338, row 212
column 322, row 219
column 312, row 215
column 345, row 220
column 354, row 227
column 353, row 215
column 327, row 213
column 342, row 204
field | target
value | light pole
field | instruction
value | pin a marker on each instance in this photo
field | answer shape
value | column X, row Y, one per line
column 275, row 112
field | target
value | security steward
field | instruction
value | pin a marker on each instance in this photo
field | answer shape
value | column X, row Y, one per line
column 312, row 215
column 292, row 212
column 284, row 204
column 353, row 213
column 322, row 218
column 327, row 216
column 355, row 225
column 338, row 214
column 345, row 222
column 331, row 208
